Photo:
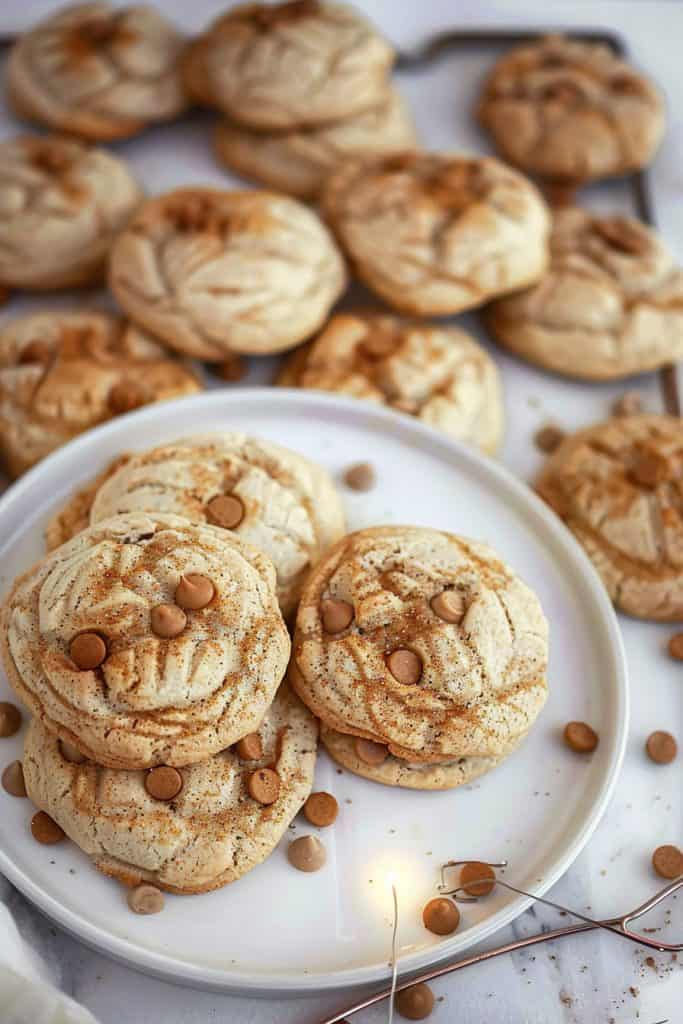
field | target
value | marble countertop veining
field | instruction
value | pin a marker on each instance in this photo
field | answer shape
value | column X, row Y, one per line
column 589, row 979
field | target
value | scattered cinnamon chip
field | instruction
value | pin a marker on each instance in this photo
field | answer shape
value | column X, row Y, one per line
column 306, row 853
column 405, row 666
column 416, row 1002
column 10, row 719
column 580, row 737
column 230, row 370
column 548, row 438
column 264, row 786
column 250, row 747
column 477, row 879
column 449, row 605
column 13, row 779
column 630, row 404
column 360, row 477
column 336, row 615
column 145, row 899
column 661, row 747
column 45, row 830
column 370, row 752
column 441, row 916
column 676, row 646
column 321, row 809
column 88, row 651
column 194, row 591
column 668, row 861
column 225, row 510
column 163, row 782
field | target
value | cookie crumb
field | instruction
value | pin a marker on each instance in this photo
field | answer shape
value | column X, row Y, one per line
column 360, row 477
column 548, row 438
column 630, row 404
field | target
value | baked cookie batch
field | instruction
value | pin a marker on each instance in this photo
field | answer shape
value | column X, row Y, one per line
column 201, row 612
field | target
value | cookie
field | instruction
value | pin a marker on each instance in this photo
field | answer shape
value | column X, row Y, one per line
column 571, row 111
column 211, row 833
column 147, row 640
column 213, row 272
column 75, row 515
column 618, row 486
column 288, row 65
column 434, row 234
column 394, row 771
column 98, row 72
column 421, row 641
column 609, row 306
column 438, row 374
column 266, row 495
column 298, row 161
column 61, row 203
column 63, row 372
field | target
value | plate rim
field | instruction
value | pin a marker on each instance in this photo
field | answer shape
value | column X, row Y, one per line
column 166, row 966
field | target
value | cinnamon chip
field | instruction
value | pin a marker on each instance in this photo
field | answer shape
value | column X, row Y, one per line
column 405, row 666
column 88, row 651
column 370, row 752
column 35, row 352
column 194, row 592
column 336, row 615
column 264, row 786
column 549, row 438
column 163, row 782
column 306, row 853
column 13, row 779
column 71, row 753
column 225, row 510
column 580, row 737
column 630, row 404
column 45, row 830
column 145, row 899
column 477, row 879
column 167, row 620
column 416, row 1002
column 650, row 468
column 10, row 719
column 250, row 747
column 449, row 605
column 125, row 397
column 230, row 370
column 661, row 747
column 360, row 477
column 668, row 861
column 441, row 916
column 321, row 809
column 676, row 646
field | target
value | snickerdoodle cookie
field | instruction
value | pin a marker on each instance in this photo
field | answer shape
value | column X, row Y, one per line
column 61, row 203
column 147, row 640
column 438, row 374
column 214, row 272
column 98, row 71
column 610, row 304
column 619, row 488
column 194, row 828
column 571, row 111
column 267, row 495
column 62, row 372
column 436, row 233
column 422, row 642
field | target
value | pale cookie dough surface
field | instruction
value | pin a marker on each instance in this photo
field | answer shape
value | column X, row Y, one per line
column 153, row 700
column 436, row 233
column 619, row 488
column 286, row 65
column 610, row 304
column 483, row 679
column 75, row 515
column 292, row 511
column 97, row 71
column 438, row 374
column 213, row 272
column 397, row 772
column 61, row 203
column 211, row 834
column 298, row 161
column 570, row 110
column 64, row 372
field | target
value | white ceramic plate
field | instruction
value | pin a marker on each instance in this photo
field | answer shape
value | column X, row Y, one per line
column 278, row 930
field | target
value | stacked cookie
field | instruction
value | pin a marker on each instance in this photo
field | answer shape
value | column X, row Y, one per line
column 303, row 85
column 150, row 646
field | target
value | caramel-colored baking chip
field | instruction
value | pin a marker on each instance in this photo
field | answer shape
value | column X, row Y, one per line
column 477, row 879
column 405, row 666
column 125, row 397
column 71, row 753
column 145, row 899
column 230, row 370
column 168, row 620
column 163, row 782
column 45, row 830
column 668, row 861
column 370, row 752
column 10, row 719
column 88, row 651
column 630, row 404
column 250, row 747
column 360, row 477
column 441, row 916
column 225, row 510
column 416, row 1002
column 264, row 786
column 548, row 438
column 35, row 352
column 306, row 853
column 13, row 779
column 194, row 592
column 580, row 737
column 336, row 615
column 650, row 468
column 661, row 747
column 676, row 646
column 449, row 606
column 321, row 809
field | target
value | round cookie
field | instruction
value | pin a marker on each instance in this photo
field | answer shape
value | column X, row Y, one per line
column 298, row 161
column 267, row 495
column 422, row 641
column 97, row 71
column 61, row 203
column 394, row 771
column 210, row 834
column 87, row 646
column 63, row 372
column 571, row 111
column 288, row 65
column 609, row 306
column 434, row 233
column 213, row 272
column 438, row 374
column 618, row 486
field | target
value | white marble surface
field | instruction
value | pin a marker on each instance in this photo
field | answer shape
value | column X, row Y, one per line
column 586, row 980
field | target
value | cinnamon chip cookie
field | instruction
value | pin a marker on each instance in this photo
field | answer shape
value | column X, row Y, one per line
column 269, row 496
column 61, row 203
column 211, row 833
column 64, row 372
column 287, row 65
column 571, row 111
column 215, row 272
column 299, row 160
column 441, row 652
column 438, row 374
column 434, row 234
column 147, row 640
column 619, row 488
column 97, row 71
column 610, row 305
